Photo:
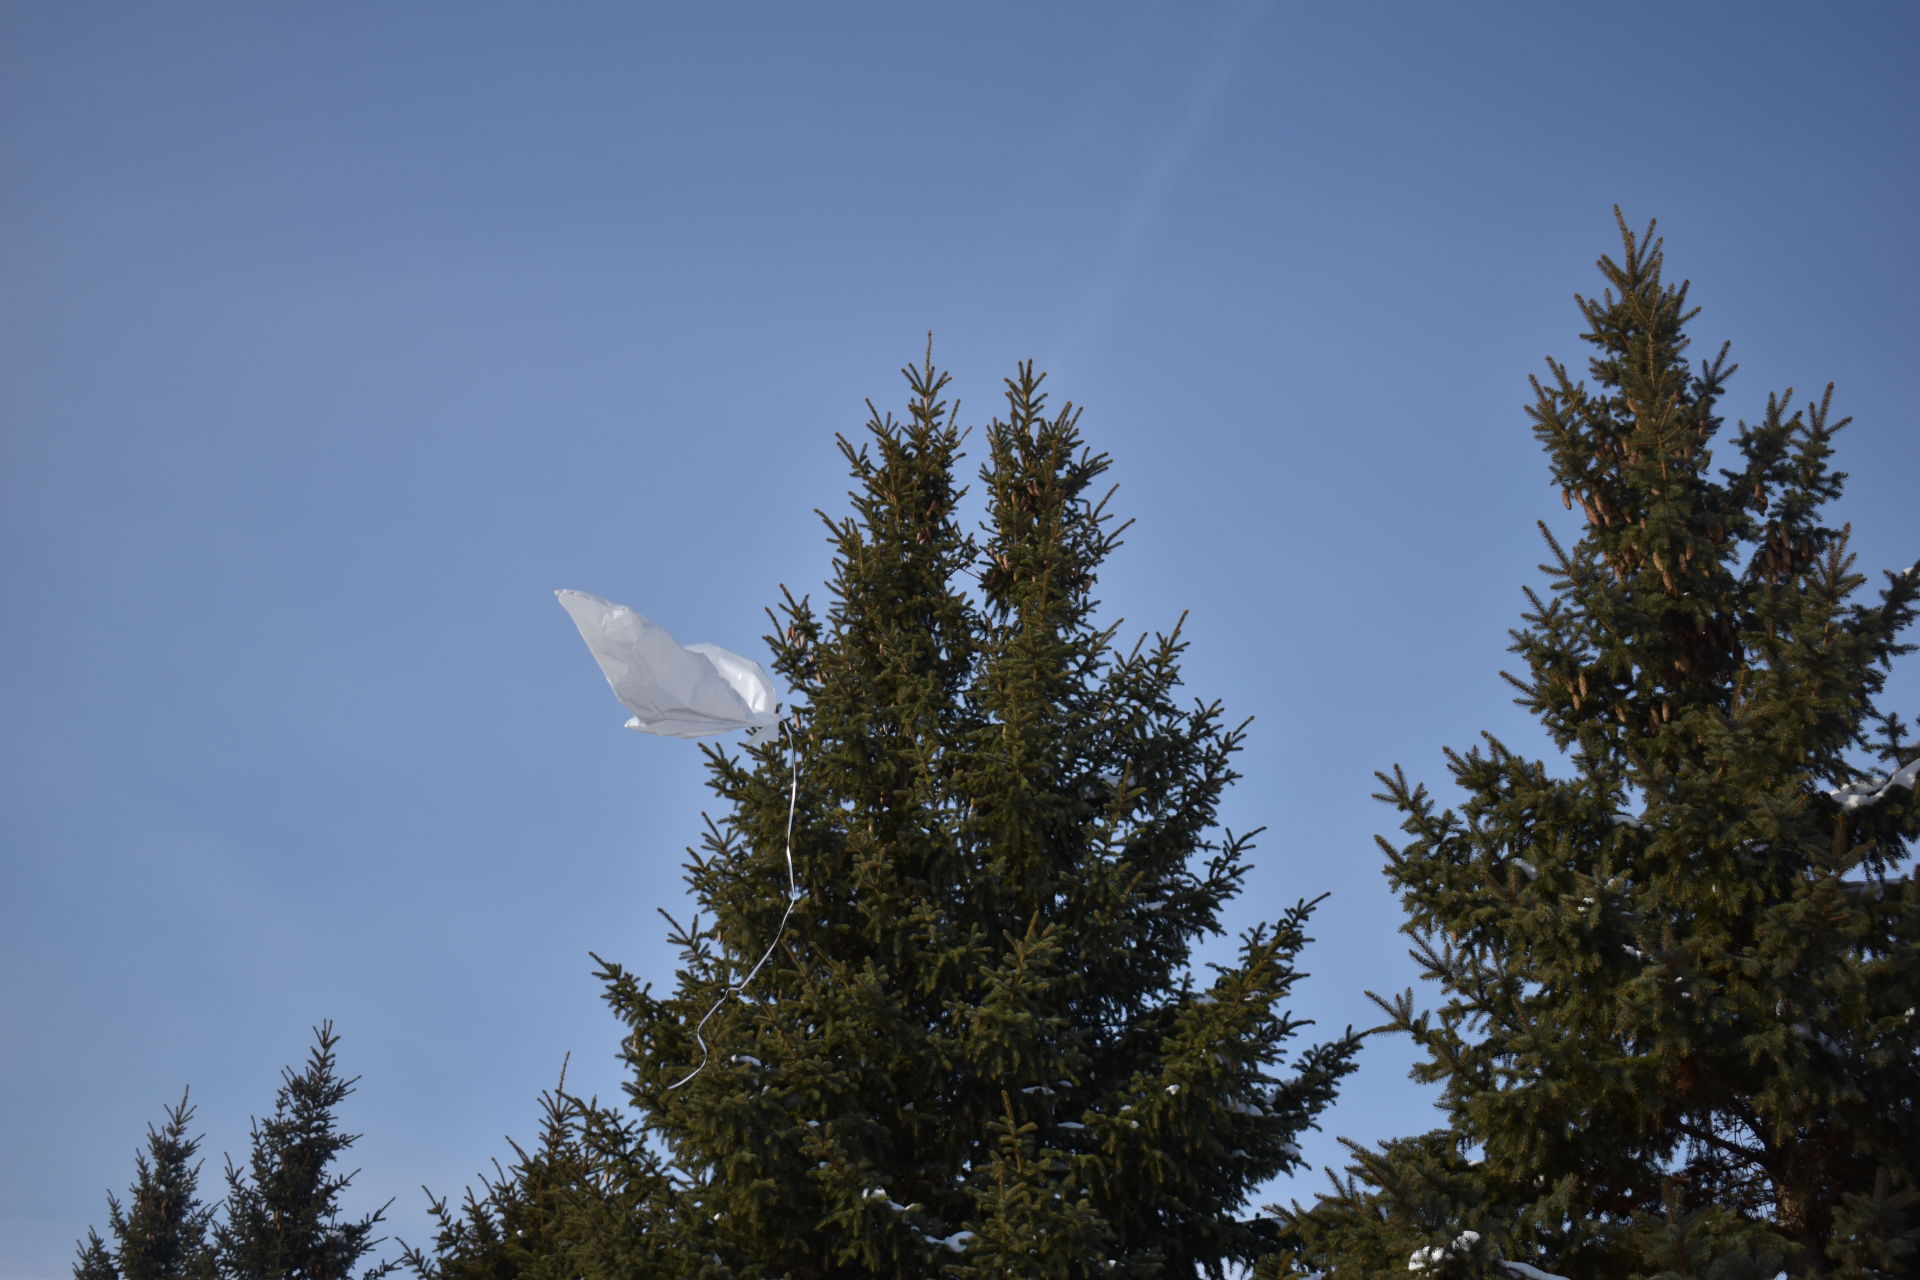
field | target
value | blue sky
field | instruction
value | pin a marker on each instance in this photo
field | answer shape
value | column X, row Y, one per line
column 335, row 338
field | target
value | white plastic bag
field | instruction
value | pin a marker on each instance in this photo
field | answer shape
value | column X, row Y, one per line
column 682, row 691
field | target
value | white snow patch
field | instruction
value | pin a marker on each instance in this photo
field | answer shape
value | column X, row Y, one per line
column 1435, row 1254
column 1874, row 788
column 955, row 1243
column 1423, row 1258
column 879, row 1194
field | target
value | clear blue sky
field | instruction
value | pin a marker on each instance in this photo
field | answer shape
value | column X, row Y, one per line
column 334, row 338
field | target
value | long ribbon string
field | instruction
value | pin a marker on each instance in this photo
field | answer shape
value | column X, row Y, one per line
column 793, row 896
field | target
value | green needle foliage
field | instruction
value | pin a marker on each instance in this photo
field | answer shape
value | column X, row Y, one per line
column 95, row 1262
column 1677, row 1032
column 979, row 1048
column 161, row 1232
column 588, row 1200
column 980, row 1051
column 282, row 1219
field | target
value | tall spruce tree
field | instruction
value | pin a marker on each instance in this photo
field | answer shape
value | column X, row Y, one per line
column 1679, row 970
column 282, row 1212
column 161, row 1232
column 979, row 1048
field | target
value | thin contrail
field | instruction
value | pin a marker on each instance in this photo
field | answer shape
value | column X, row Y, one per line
column 1106, row 286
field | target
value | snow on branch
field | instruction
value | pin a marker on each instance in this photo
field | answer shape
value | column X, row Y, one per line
column 1435, row 1254
column 955, row 1243
column 1874, row 788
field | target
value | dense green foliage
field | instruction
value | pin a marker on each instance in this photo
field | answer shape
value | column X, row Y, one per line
column 281, row 1214
column 1677, row 1032
column 979, row 1047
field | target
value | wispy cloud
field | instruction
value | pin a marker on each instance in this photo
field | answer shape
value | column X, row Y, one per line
column 1106, row 286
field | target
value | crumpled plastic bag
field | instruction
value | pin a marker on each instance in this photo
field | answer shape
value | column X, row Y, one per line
column 682, row 691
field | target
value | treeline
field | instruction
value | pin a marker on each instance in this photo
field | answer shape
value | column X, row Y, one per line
column 1673, row 969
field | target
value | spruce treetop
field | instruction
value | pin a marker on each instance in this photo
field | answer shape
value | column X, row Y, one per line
column 282, row 1212
column 161, row 1232
column 980, row 1048
column 1675, row 1034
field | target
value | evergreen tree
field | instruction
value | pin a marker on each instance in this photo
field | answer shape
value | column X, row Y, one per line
column 282, row 1211
column 979, row 1047
column 586, row 1201
column 95, row 1262
column 161, row 1233
column 1677, row 1035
